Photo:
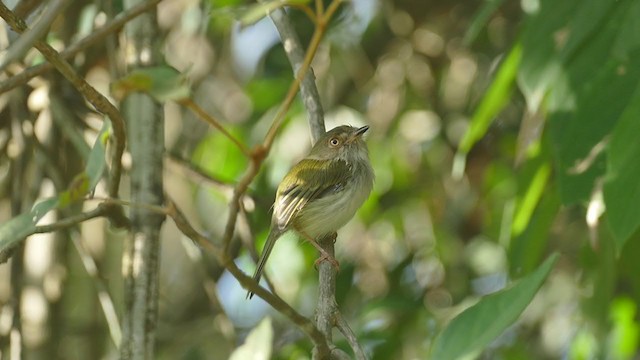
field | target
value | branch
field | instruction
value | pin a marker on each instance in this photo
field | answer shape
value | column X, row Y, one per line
column 173, row 160
column 95, row 37
column 247, row 282
column 296, row 56
column 105, row 209
column 70, row 221
column 323, row 19
column 293, row 89
column 326, row 289
column 100, row 102
column 19, row 47
column 344, row 328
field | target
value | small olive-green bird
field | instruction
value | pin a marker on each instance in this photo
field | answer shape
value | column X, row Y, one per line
column 322, row 192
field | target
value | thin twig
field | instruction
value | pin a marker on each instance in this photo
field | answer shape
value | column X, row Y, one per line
column 100, row 102
column 196, row 109
column 197, row 172
column 95, row 37
column 25, row 42
column 70, row 221
column 234, row 203
column 149, row 207
column 319, row 8
column 306, row 10
column 106, row 302
column 352, row 339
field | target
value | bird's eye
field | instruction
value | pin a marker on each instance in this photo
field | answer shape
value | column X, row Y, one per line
column 334, row 142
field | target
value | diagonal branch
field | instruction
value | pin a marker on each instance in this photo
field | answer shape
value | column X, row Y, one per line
column 19, row 47
column 95, row 37
column 196, row 109
column 100, row 102
column 106, row 302
column 276, row 302
column 352, row 339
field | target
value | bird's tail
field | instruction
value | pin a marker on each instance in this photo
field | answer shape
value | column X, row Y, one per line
column 271, row 240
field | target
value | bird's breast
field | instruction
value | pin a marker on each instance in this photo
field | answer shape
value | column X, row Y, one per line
column 331, row 212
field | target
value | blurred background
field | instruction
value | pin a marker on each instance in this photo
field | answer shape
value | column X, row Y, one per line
column 442, row 227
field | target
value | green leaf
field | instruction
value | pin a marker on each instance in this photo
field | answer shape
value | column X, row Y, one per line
column 76, row 191
column 85, row 182
column 540, row 61
column 622, row 188
column 478, row 325
column 258, row 344
column 492, row 103
column 526, row 249
column 531, row 197
column 582, row 160
column 96, row 163
column 257, row 11
column 24, row 224
column 582, row 70
column 163, row 83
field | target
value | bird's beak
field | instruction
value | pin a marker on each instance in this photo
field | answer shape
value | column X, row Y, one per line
column 358, row 133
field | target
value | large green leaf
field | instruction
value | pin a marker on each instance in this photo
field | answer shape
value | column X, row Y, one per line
column 478, row 325
column 622, row 186
column 540, row 61
column 581, row 160
column 589, row 90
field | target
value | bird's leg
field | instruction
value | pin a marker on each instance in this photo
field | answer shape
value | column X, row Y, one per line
column 324, row 255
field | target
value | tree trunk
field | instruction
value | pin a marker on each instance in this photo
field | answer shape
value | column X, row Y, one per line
column 141, row 255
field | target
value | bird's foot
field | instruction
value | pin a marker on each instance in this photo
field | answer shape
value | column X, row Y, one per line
column 325, row 256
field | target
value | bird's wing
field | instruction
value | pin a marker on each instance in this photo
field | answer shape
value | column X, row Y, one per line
column 295, row 190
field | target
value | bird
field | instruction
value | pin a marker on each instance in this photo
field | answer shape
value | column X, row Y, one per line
column 322, row 192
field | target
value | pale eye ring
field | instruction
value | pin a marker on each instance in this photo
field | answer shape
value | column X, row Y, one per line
column 334, row 142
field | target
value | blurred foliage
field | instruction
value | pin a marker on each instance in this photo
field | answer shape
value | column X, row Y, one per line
column 501, row 132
